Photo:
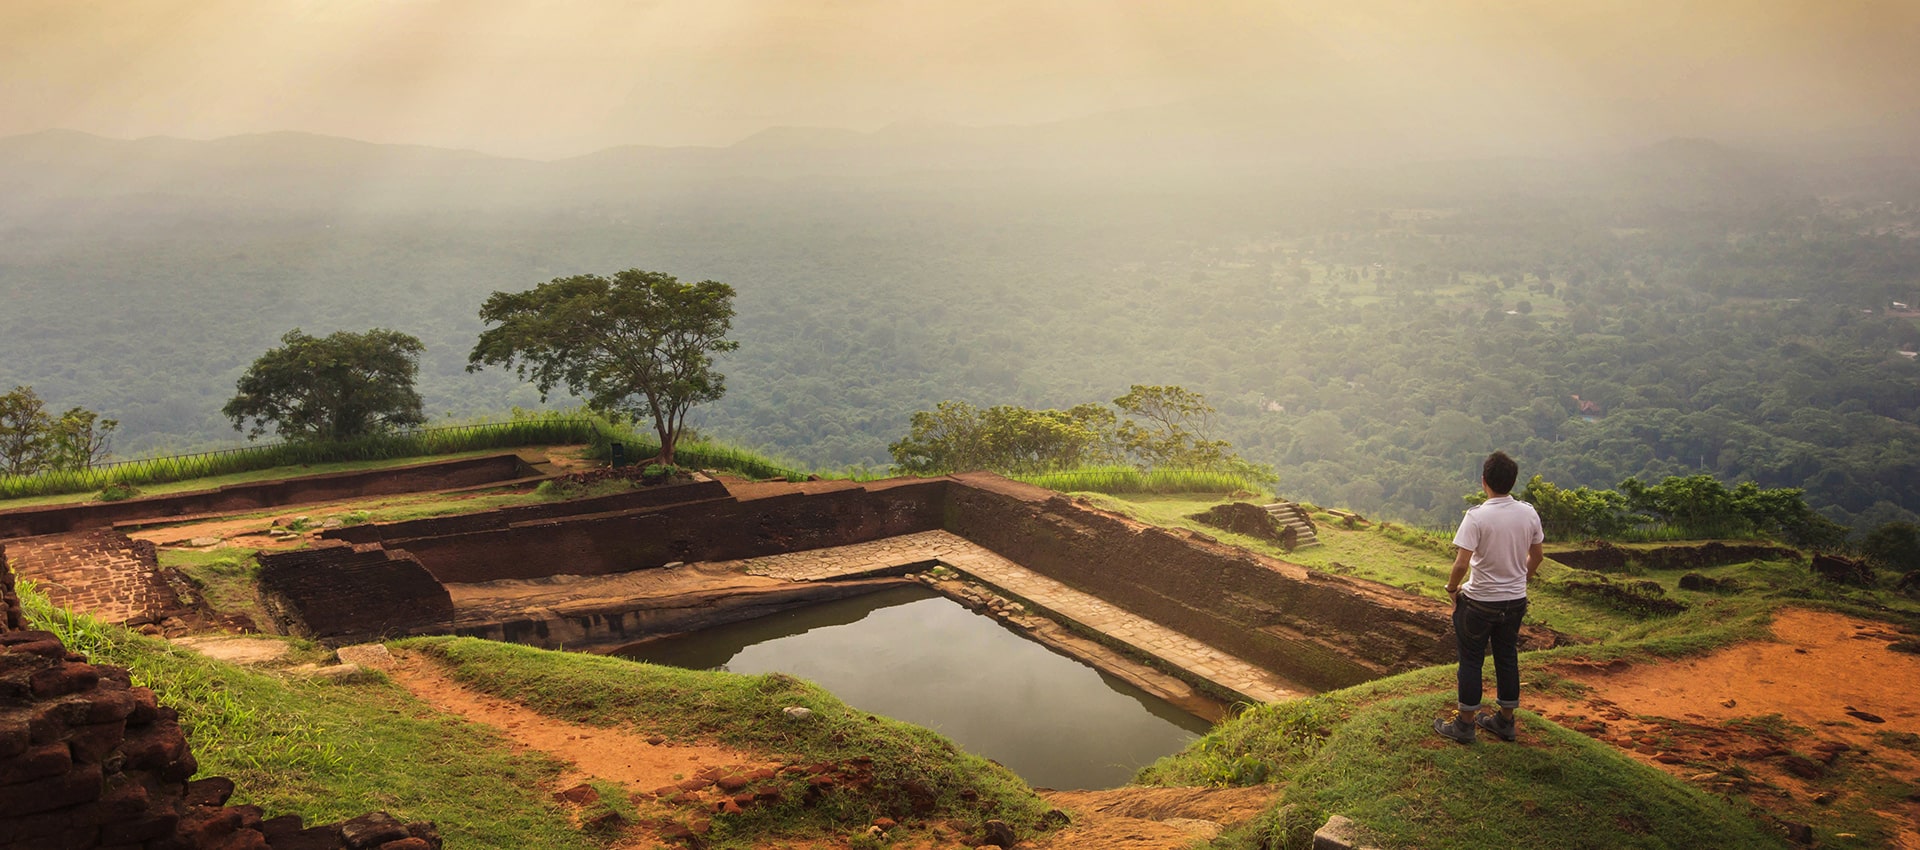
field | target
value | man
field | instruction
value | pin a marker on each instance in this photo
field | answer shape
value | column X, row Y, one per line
column 1499, row 543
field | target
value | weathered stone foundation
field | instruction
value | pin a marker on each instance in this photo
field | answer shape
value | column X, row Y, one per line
column 438, row 475
column 1320, row 630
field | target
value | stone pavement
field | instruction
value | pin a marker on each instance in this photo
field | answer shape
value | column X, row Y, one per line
column 1053, row 598
column 100, row 572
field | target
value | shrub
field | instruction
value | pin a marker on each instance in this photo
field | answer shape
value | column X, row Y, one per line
column 117, row 491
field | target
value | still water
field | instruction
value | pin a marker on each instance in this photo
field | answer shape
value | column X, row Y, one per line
column 916, row 656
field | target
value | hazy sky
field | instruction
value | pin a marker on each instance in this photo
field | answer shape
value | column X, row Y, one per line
column 549, row 78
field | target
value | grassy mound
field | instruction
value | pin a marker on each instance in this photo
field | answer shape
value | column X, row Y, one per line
column 1379, row 763
column 917, row 775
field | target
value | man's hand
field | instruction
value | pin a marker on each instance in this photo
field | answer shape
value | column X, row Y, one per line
column 1461, row 560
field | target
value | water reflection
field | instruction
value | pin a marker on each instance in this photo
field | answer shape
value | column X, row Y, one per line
column 914, row 655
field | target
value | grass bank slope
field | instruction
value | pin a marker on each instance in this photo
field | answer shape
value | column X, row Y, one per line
column 328, row 750
column 1375, row 759
column 916, row 775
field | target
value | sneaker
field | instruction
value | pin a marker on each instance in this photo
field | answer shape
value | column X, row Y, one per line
column 1460, row 732
column 1498, row 725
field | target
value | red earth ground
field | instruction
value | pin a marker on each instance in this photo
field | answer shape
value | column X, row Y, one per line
column 1819, row 726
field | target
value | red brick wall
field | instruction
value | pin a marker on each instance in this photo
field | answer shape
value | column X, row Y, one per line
column 1321, row 630
column 703, row 531
column 648, row 497
column 350, row 593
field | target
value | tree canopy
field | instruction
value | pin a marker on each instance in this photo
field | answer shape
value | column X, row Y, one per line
column 1150, row 426
column 641, row 343
column 337, row 387
column 31, row 440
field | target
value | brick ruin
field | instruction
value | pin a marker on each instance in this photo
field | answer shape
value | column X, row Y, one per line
column 1320, row 630
column 1603, row 557
column 496, row 469
column 87, row 760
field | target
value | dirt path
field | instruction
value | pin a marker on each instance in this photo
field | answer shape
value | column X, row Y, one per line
column 1817, row 726
column 631, row 759
column 1152, row 818
column 1122, row 818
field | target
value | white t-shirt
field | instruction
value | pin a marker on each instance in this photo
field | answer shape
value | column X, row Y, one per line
column 1498, row 532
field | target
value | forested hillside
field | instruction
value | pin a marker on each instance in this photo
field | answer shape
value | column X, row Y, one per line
column 1370, row 334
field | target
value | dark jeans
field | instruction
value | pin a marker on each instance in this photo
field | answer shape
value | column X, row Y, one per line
column 1474, row 625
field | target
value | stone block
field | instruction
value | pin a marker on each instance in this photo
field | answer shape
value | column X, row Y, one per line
column 212, row 791
column 123, row 800
column 146, row 707
column 49, row 759
column 141, row 829
column 1338, row 833
column 56, row 792
column 92, row 743
column 15, row 736
column 372, row 830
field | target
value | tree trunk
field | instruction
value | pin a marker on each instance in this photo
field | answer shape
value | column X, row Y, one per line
column 667, row 438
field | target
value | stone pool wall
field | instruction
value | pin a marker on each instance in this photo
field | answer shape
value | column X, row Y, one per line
column 706, row 530
column 1321, row 630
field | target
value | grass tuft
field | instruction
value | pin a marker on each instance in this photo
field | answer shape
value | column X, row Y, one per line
column 1127, row 479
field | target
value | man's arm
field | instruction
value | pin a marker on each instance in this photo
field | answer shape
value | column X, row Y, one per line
column 1535, row 554
column 1461, row 559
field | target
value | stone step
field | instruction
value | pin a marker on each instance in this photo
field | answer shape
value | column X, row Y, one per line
column 1291, row 515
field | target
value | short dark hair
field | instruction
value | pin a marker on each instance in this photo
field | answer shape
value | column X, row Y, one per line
column 1499, row 472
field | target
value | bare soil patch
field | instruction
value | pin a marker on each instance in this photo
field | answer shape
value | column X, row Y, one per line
column 1819, row 726
column 239, row 650
column 1137, row 818
column 634, row 759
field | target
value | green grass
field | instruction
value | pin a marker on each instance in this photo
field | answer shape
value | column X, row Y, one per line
column 1369, row 753
column 267, row 474
column 1562, row 789
column 332, row 751
column 226, row 579
column 746, row 712
column 548, row 428
column 1128, row 480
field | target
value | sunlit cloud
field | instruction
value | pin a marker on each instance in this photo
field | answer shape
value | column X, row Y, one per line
column 564, row 77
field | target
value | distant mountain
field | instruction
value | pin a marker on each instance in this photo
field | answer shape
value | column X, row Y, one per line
column 1182, row 147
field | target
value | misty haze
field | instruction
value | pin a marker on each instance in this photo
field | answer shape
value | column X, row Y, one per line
column 1624, row 242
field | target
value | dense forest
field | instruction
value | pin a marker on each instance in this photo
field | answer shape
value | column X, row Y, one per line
column 1369, row 334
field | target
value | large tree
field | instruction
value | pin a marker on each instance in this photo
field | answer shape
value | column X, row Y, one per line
column 31, row 440
column 337, row 387
column 23, row 432
column 79, row 439
column 1170, row 426
column 956, row 436
column 640, row 342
